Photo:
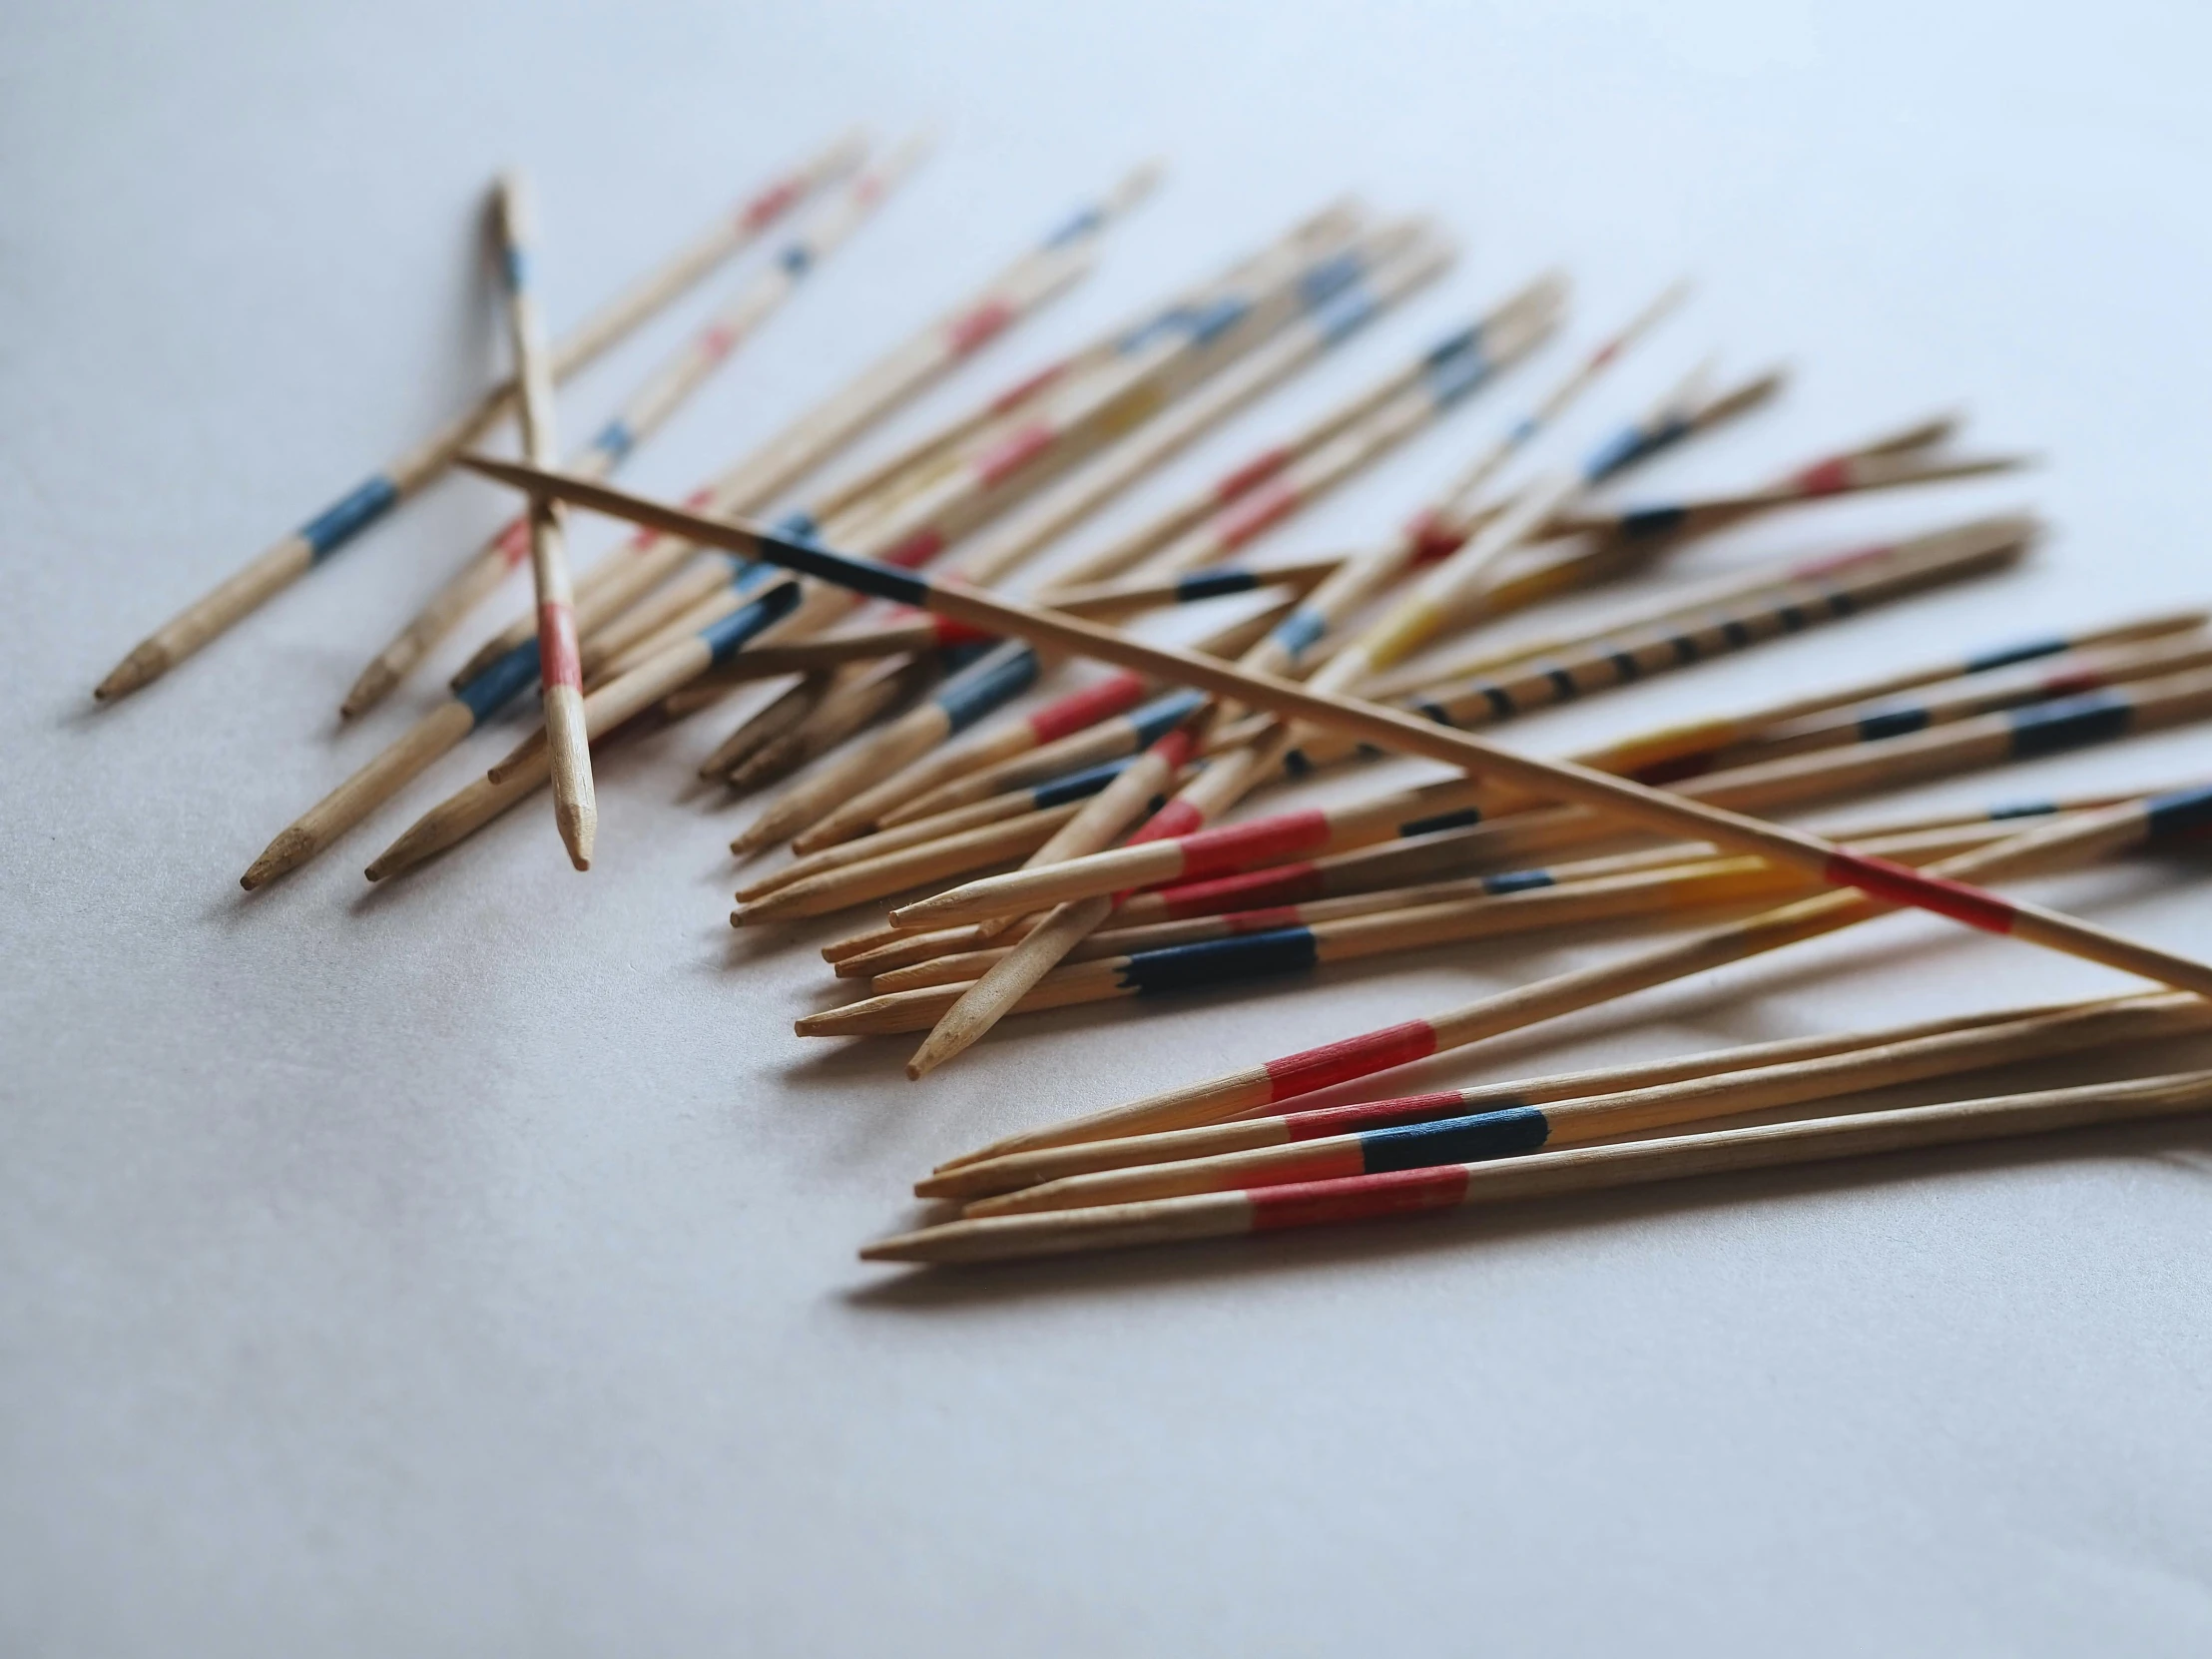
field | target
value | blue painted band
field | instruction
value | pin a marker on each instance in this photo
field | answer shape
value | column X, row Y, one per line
column 2022, row 808
column 2068, row 722
column 1441, row 821
column 1452, row 377
column 1343, row 313
column 1153, row 721
column 1468, row 1140
column 1737, row 633
column 1214, row 584
column 1630, row 445
column 1451, row 346
column 349, row 516
column 797, row 260
column 726, row 638
column 2004, row 655
column 1563, row 687
column 1005, row 674
column 1436, row 711
column 798, row 524
column 1078, row 224
column 514, row 270
column 1297, row 632
column 1517, row 880
column 1523, row 431
column 1191, row 967
column 1297, row 762
column 503, row 679
column 1076, row 786
column 615, row 439
column 1686, row 649
column 1625, row 666
column 2182, row 812
column 866, row 576
column 1642, row 523
column 1330, row 276
column 1891, row 722
column 1209, row 323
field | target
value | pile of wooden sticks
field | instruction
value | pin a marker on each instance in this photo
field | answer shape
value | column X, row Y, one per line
column 1052, row 834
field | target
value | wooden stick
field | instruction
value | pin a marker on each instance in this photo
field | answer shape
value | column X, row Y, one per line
column 1361, row 1198
column 1299, row 947
column 2059, row 846
column 1358, row 1148
column 657, row 398
column 1391, row 730
column 575, row 808
column 1660, row 878
column 321, row 536
column 2019, row 733
column 1034, row 279
column 964, row 1182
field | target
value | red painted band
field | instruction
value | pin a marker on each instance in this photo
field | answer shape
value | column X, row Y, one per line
column 1433, row 539
column 717, row 341
column 1079, row 711
column 1013, row 452
column 1265, row 840
column 967, row 333
column 1177, row 817
column 1283, row 885
column 514, row 542
column 2071, row 682
column 1361, row 1056
column 1372, row 1114
column 1015, row 395
column 558, row 662
column 917, row 549
column 1175, row 748
column 1896, row 884
column 948, row 632
column 1257, row 470
column 1357, row 1198
column 769, row 204
column 1256, row 513
column 1826, row 477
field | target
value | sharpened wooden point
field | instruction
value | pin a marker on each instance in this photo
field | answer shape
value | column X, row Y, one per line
column 146, row 662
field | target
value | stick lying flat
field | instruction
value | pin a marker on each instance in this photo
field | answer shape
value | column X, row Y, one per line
column 1407, row 734
column 1545, row 1174
column 321, row 536
column 560, row 667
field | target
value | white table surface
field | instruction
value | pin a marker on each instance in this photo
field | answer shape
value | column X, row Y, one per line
column 467, row 1266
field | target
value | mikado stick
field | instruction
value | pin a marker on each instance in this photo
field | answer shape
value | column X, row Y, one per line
column 560, row 670
column 645, row 412
column 321, row 536
column 2063, row 845
column 1547, row 1174
column 1386, row 728
column 2086, row 1021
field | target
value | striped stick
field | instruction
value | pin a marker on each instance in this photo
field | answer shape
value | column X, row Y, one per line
column 1651, row 880
column 1385, row 727
column 1031, row 281
column 657, row 398
column 1271, row 290
column 575, row 808
column 508, row 665
column 1982, row 692
column 275, row 569
column 1298, row 948
column 967, row 1182
column 1445, row 852
column 1259, row 841
column 2059, row 846
column 1011, row 982
column 1366, row 1143
column 477, row 804
column 1545, row 1174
